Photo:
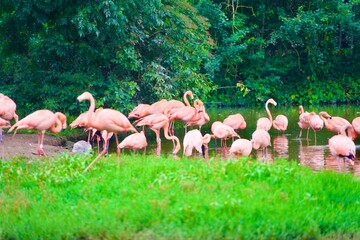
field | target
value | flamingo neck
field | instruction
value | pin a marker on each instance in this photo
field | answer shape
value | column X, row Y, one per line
column 323, row 118
column 186, row 94
column 91, row 110
column 301, row 110
column 166, row 134
column 57, row 127
column 268, row 111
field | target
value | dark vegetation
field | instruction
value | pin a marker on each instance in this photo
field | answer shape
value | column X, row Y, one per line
column 126, row 52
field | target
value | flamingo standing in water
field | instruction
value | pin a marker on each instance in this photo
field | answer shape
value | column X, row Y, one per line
column 7, row 108
column 204, row 118
column 241, row 147
column 280, row 123
column 341, row 145
column 304, row 121
column 265, row 123
column 41, row 120
column 356, row 125
column 194, row 139
column 110, row 120
column 186, row 114
column 223, row 132
column 236, row 121
column 316, row 123
column 261, row 140
column 334, row 124
column 156, row 122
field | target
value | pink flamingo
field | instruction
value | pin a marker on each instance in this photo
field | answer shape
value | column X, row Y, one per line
column 139, row 111
column 260, row 139
column 265, row 123
column 176, row 103
column 304, row 121
column 316, row 123
column 236, row 121
column 280, row 123
column 134, row 141
column 334, row 124
column 7, row 108
column 186, row 114
column 41, row 120
column 241, row 147
column 223, row 132
column 194, row 139
column 156, row 122
column 107, row 119
column 341, row 145
column 356, row 125
column 204, row 118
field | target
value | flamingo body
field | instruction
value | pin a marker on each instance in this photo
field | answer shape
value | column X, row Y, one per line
column 260, row 139
column 7, row 108
column 241, row 147
column 41, row 120
column 134, row 141
column 280, row 123
column 194, row 140
column 236, row 121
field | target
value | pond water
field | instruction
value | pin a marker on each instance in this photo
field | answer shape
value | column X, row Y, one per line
column 289, row 146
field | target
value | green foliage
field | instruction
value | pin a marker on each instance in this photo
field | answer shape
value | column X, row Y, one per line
column 127, row 52
column 161, row 198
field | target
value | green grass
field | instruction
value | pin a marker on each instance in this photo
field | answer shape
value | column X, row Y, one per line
column 166, row 198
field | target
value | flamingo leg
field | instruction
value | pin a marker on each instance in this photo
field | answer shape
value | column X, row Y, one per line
column 117, row 149
column 158, row 142
column 103, row 152
column 307, row 134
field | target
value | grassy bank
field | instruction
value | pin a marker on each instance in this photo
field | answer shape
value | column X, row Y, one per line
column 166, row 198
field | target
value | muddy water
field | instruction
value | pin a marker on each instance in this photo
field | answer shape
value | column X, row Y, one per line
column 305, row 151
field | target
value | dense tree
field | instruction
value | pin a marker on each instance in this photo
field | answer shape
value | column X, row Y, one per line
column 126, row 52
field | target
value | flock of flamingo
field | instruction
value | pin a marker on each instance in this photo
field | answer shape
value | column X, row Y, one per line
column 162, row 114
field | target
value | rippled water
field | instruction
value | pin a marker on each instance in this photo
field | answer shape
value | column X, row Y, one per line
column 288, row 146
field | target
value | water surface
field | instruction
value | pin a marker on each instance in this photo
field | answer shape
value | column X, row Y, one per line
column 290, row 146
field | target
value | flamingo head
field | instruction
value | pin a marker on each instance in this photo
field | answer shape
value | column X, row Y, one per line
column 84, row 96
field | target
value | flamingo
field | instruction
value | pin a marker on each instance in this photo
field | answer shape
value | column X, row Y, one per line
column 260, row 139
column 139, row 111
column 156, row 122
column 41, row 120
column 161, row 106
column 204, row 118
column 280, row 123
column 241, row 147
column 236, row 121
column 265, row 123
column 186, row 114
column 304, row 121
column 316, row 123
column 7, row 108
column 134, row 141
column 223, row 132
column 356, row 125
column 334, row 124
column 107, row 119
column 194, row 139
column 341, row 145
column 177, row 103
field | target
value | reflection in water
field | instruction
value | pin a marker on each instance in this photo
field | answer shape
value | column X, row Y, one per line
column 312, row 156
column 340, row 164
column 281, row 146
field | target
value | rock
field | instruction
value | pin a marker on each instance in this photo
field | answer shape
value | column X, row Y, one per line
column 81, row 147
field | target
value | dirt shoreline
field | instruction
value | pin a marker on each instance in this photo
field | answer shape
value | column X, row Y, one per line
column 26, row 145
